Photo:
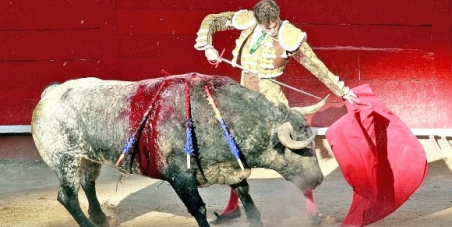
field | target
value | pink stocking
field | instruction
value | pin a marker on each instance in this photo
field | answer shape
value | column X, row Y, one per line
column 311, row 208
column 233, row 203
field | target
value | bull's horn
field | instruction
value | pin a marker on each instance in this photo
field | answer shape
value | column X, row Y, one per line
column 284, row 135
column 313, row 108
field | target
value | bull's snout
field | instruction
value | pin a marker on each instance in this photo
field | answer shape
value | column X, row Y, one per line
column 309, row 179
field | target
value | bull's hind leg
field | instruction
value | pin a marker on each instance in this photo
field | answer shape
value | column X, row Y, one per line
column 90, row 172
column 69, row 174
column 184, row 184
column 252, row 213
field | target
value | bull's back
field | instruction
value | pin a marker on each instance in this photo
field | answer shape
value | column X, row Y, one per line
column 93, row 118
column 83, row 117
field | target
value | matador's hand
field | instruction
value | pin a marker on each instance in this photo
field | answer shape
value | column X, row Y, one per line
column 351, row 97
column 212, row 54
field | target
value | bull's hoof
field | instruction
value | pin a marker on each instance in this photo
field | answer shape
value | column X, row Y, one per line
column 99, row 220
column 257, row 224
column 316, row 220
column 225, row 218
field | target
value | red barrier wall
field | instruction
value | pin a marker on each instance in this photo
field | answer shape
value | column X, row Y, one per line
column 402, row 49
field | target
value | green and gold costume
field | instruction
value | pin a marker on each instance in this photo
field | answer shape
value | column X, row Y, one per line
column 272, row 55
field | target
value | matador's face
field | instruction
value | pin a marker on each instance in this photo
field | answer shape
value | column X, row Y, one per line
column 272, row 28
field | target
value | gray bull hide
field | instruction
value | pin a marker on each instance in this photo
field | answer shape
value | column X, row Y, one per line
column 84, row 123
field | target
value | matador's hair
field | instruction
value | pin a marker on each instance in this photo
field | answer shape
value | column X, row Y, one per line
column 266, row 11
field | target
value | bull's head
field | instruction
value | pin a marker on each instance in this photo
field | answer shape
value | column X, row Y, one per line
column 301, row 164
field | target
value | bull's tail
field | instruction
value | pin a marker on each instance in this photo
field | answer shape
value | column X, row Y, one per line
column 48, row 89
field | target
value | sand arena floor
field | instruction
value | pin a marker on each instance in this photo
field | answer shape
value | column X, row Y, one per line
column 29, row 188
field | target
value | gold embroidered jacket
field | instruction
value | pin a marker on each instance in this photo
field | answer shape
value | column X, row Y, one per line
column 263, row 62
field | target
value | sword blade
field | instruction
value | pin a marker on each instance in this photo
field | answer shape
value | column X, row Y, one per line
column 273, row 80
column 238, row 66
column 296, row 89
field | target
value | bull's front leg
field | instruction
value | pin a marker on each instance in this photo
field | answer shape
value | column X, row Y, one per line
column 252, row 213
column 185, row 186
column 311, row 208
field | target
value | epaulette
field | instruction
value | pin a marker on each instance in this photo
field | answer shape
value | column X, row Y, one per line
column 290, row 37
column 243, row 19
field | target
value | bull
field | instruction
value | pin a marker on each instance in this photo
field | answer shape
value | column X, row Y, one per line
column 83, row 123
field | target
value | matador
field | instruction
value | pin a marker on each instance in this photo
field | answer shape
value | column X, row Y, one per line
column 264, row 47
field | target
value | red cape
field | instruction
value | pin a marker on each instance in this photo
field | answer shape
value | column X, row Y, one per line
column 379, row 156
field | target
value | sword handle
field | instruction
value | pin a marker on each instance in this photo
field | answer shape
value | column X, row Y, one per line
column 216, row 63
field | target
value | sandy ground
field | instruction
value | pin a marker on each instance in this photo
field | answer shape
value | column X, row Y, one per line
column 28, row 192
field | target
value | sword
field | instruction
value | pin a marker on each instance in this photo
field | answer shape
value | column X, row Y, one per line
column 293, row 88
column 252, row 71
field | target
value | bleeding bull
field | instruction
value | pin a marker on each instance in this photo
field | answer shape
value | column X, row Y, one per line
column 84, row 123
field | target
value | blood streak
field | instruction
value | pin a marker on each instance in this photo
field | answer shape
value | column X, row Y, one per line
column 161, row 97
column 148, row 154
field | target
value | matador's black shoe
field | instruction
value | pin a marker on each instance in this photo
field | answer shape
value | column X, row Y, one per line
column 224, row 218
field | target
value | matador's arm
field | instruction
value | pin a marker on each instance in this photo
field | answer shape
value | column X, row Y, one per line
column 294, row 41
column 211, row 24
column 221, row 22
column 306, row 56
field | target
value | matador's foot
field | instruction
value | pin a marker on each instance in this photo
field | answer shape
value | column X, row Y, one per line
column 224, row 218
